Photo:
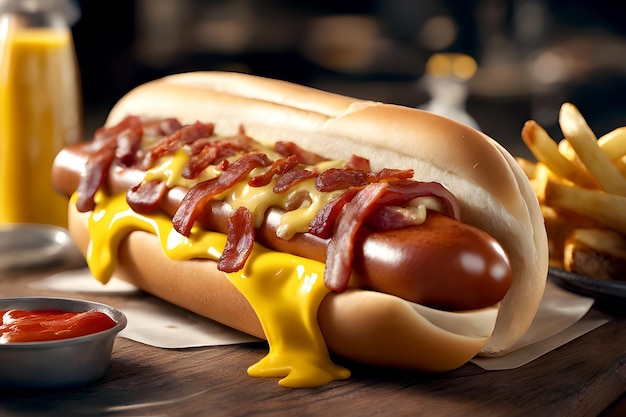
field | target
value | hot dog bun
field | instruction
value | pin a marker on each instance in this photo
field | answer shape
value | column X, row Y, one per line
column 362, row 325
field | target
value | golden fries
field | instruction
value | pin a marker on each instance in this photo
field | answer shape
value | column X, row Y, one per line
column 580, row 182
column 585, row 143
column 545, row 149
column 608, row 209
column 613, row 144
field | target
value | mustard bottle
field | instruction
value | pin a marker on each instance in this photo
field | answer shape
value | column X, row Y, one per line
column 40, row 106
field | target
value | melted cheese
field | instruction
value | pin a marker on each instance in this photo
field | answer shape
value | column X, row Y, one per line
column 255, row 199
column 284, row 290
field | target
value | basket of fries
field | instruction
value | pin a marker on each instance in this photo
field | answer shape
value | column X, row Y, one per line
column 580, row 181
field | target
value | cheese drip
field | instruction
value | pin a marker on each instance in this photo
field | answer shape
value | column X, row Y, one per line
column 284, row 290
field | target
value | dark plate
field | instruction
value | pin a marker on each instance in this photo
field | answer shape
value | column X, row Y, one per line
column 608, row 292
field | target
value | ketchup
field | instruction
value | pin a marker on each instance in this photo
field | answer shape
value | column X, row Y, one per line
column 17, row 326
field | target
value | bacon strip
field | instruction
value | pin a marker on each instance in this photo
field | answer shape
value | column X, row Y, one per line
column 340, row 250
column 279, row 167
column 207, row 156
column 334, row 179
column 386, row 174
column 323, row 223
column 358, row 162
column 400, row 193
column 286, row 181
column 146, row 196
column 239, row 241
column 127, row 136
column 304, row 157
column 128, row 144
column 105, row 135
column 161, row 127
column 200, row 194
column 94, row 177
column 208, row 151
column 183, row 136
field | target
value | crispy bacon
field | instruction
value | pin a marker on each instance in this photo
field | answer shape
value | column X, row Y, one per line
column 128, row 144
column 239, row 141
column 94, row 177
column 279, row 167
column 386, row 217
column 291, row 178
column 183, row 136
column 120, row 140
column 400, row 193
column 206, row 152
column 334, row 179
column 161, row 127
column 146, row 196
column 105, row 135
column 304, row 157
column 386, row 174
column 199, row 195
column 323, row 223
column 340, row 250
column 358, row 162
column 239, row 241
column 209, row 155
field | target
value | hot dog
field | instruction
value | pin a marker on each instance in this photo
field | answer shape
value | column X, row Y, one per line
column 379, row 273
column 407, row 249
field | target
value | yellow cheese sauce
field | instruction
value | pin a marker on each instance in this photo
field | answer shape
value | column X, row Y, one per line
column 255, row 199
column 284, row 290
column 39, row 114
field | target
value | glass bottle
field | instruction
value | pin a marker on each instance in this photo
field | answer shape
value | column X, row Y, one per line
column 40, row 106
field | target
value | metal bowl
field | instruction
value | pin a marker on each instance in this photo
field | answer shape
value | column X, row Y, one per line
column 58, row 363
column 29, row 245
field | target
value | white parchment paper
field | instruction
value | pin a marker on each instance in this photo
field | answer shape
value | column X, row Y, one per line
column 562, row 317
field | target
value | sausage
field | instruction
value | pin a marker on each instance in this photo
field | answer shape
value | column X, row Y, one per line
column 442, row 263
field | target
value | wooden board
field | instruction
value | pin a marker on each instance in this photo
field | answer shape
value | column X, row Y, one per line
column 582, row 378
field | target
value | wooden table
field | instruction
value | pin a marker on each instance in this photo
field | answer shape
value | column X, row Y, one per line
column 586, row 377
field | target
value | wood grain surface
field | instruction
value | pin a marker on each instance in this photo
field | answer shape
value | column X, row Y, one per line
column 582, row 378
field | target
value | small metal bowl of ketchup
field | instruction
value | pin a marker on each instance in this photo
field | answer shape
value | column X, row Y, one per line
column 49, row 342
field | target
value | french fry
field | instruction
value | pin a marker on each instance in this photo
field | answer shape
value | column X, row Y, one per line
column 613, row 144
column 601, row 240
column 545, row 149
column 541, row 178
column 580, row 183
column 585, row 143
column 565, row 149
column 620, row 164
column 608, row 209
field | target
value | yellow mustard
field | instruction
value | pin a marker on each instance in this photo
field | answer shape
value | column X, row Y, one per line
column 284, row 290
column 39, row 114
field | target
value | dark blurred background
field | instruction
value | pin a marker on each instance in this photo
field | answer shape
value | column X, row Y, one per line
column 532, row 55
